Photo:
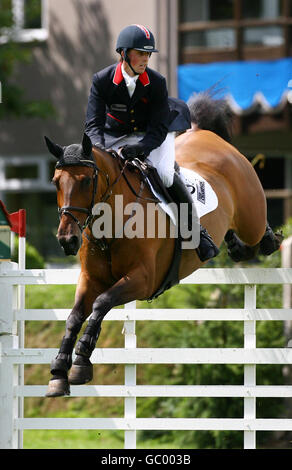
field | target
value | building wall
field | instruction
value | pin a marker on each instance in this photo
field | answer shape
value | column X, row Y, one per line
column 81, row 41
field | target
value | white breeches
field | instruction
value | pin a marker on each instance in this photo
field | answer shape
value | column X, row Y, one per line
column 162, row 158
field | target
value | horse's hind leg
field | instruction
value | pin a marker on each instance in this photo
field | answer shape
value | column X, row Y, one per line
column 239, row 251
column 270, row 242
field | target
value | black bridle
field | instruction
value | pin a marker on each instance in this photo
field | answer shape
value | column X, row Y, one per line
column 67, row 209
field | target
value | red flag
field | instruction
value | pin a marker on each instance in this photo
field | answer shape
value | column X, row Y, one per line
column 16, row 220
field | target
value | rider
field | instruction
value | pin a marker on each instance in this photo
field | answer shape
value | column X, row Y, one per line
column 128, row 108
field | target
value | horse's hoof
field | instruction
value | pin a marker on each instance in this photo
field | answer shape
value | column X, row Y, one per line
column 81, row 374
column 58, row 388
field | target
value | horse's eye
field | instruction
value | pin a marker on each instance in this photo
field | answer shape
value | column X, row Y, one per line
column 86, row 182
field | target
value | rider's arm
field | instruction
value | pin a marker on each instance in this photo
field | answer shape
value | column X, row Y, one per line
column 95, row 115
column 159, row 117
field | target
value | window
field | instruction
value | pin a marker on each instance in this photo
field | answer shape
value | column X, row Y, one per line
column 32, row 14
column 265, row 10
column 262, row 8
column 234, row 29
column 23, row 20
column 203, row 10
column 6, row 17
column 223, row 37
column 263, row 36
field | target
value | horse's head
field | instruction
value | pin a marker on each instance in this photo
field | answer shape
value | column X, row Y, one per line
column 75, row 179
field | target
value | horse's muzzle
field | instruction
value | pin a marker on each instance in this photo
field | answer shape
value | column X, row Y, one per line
column 70, row 244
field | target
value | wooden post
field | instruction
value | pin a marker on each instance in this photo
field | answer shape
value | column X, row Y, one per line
column 286, row 255
column 130, row 378
column 21, row 326
column 250, row 369
column 8, row 371
column 286, row 261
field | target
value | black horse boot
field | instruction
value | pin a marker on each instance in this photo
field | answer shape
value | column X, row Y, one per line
column 82, row 369
column 180, row 194
column 59, row 385
column 271, row 241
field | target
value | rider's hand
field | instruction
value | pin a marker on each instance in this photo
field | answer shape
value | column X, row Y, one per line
column 130, row 152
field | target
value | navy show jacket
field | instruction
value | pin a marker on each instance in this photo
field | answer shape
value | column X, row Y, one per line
column 111, row 110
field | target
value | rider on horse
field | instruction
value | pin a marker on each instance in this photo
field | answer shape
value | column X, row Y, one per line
column 129, row 109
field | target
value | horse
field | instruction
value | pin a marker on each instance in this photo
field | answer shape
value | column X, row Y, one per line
column 115, row 270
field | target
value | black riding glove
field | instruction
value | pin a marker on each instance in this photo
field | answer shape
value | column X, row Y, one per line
column 130, row 152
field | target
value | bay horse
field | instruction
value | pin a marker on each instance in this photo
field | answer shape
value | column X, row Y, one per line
column 115, row 271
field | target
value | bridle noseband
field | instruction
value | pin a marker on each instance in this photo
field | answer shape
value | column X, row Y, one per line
column 67, row 209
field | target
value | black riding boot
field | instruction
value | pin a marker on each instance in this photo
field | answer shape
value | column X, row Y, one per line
column 180, row 194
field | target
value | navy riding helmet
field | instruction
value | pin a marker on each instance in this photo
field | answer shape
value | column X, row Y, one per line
column 136, row 37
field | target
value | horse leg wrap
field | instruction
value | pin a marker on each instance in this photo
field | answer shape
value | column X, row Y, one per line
column 87, row 342
column 270, row 242
column 62, row 363
column 236, row 249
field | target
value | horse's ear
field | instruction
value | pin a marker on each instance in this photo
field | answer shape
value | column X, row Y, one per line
column 54, row 149
column 86, row 145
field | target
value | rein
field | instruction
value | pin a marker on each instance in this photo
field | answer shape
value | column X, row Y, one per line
column 142, row 167
column 109, row 190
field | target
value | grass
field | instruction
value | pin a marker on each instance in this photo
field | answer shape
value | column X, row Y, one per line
column 48, row 334
column 73, row 439
column 51, row 296
column 85, row 439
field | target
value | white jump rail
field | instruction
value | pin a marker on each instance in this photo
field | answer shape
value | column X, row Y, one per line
column 12, row 424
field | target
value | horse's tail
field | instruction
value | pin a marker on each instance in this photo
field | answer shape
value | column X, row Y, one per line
column 211, row 114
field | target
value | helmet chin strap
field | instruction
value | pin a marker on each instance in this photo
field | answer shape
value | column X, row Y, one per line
column 127, row 59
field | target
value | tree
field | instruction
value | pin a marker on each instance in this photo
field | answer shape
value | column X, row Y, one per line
column 14, row 103
column 213, row 334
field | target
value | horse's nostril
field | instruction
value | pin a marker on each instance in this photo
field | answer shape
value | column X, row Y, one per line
column 73, row 240
column 70, row 244
column 68, row 240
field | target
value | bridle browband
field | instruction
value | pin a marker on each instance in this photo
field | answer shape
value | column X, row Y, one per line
column 67, row 209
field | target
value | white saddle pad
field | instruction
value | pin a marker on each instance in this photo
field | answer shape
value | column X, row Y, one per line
column 202, row 193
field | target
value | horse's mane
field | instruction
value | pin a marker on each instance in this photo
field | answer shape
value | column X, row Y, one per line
column 211, row 113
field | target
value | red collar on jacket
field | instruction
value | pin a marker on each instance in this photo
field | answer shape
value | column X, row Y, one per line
column 118, row 76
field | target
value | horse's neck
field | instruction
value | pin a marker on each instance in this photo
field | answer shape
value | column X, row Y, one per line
column 112, row 180
column 109, row 171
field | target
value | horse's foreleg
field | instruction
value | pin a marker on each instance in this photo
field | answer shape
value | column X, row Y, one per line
column 128, row 288
column 59, row 385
